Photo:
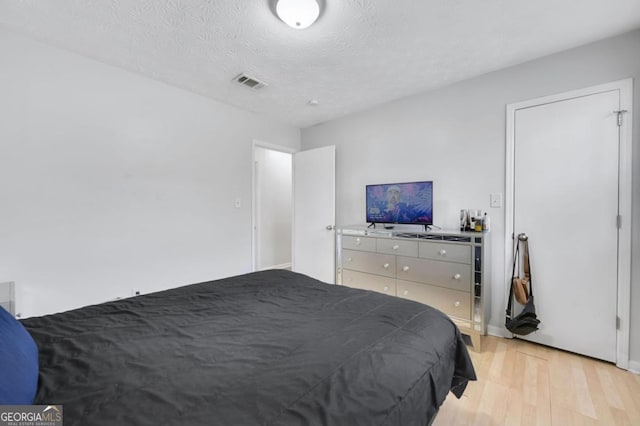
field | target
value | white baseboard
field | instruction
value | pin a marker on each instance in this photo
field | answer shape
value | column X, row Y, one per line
column 634, row 367
column 492, row 330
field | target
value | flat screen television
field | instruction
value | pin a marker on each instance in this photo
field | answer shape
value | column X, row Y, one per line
column 400, row 203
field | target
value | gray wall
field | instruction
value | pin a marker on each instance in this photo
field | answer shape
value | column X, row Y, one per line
column 111, row 182
column 456, row 136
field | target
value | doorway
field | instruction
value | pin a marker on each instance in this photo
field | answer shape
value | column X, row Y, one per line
column 569, row 190
column 303, row 238
column 272, row 201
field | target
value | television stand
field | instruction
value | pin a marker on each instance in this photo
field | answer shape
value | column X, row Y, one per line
column 372, row 224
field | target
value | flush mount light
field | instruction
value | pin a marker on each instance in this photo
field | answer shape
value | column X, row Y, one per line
column 298, row 14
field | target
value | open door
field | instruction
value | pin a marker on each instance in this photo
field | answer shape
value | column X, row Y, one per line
column 314, row 213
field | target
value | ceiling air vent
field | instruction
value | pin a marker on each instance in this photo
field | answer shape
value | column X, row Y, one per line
column 249, row 82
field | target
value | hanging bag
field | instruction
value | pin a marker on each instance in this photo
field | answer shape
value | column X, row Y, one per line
column 520, row 285
column 526, row 321
column 520, row 290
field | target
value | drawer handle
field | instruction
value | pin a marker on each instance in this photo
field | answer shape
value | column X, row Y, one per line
column 405, row 268
column 349, row 259
column 457, row 304
column 406, row 292
column 442, row 252
column 456, row 276
column 358, row 241
column 385, row 266
column 386, row 288
column 396, row 247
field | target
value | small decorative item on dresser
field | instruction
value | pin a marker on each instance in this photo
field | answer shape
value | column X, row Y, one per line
column 486, row 223
column 464, row 217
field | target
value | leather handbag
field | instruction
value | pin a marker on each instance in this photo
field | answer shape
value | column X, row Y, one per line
column 521, row 285
column 526, row 321
column 520, row 290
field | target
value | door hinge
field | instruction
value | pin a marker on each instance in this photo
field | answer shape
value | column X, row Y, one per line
column 617, row 323
column 619, row 113
column 619, row 221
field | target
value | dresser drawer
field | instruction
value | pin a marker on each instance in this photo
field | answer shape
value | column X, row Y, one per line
column 373, row 263
column 455, row 276
column 399, row 247
column 451, row 302
column 364, row 281
column 358, row 243
column 448, row 252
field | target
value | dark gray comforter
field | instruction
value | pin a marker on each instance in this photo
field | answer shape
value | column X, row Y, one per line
column 267, row 348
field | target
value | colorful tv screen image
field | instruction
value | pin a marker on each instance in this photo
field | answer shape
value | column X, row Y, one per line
column 410, row 203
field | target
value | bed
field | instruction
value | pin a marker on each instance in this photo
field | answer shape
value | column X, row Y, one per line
column 266, row 348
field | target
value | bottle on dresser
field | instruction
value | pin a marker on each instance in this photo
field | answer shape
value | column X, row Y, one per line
column 486, row 223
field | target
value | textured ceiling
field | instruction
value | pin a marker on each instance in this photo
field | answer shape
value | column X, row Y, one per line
column 359, row 54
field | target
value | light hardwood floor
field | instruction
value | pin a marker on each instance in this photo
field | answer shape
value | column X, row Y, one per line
column 521, row 383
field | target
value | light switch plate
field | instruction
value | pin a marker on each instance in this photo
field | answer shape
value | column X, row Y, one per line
column 496, row 200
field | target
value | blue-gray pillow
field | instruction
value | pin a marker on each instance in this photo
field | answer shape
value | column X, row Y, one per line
column 18, row 362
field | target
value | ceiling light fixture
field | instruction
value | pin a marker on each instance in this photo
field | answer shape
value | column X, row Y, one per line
column 298, row 14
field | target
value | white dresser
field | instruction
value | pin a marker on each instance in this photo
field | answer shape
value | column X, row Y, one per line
column 446, row 270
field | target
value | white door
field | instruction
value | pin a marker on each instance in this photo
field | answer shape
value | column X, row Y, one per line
column 565, row 199
column 314, row 213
